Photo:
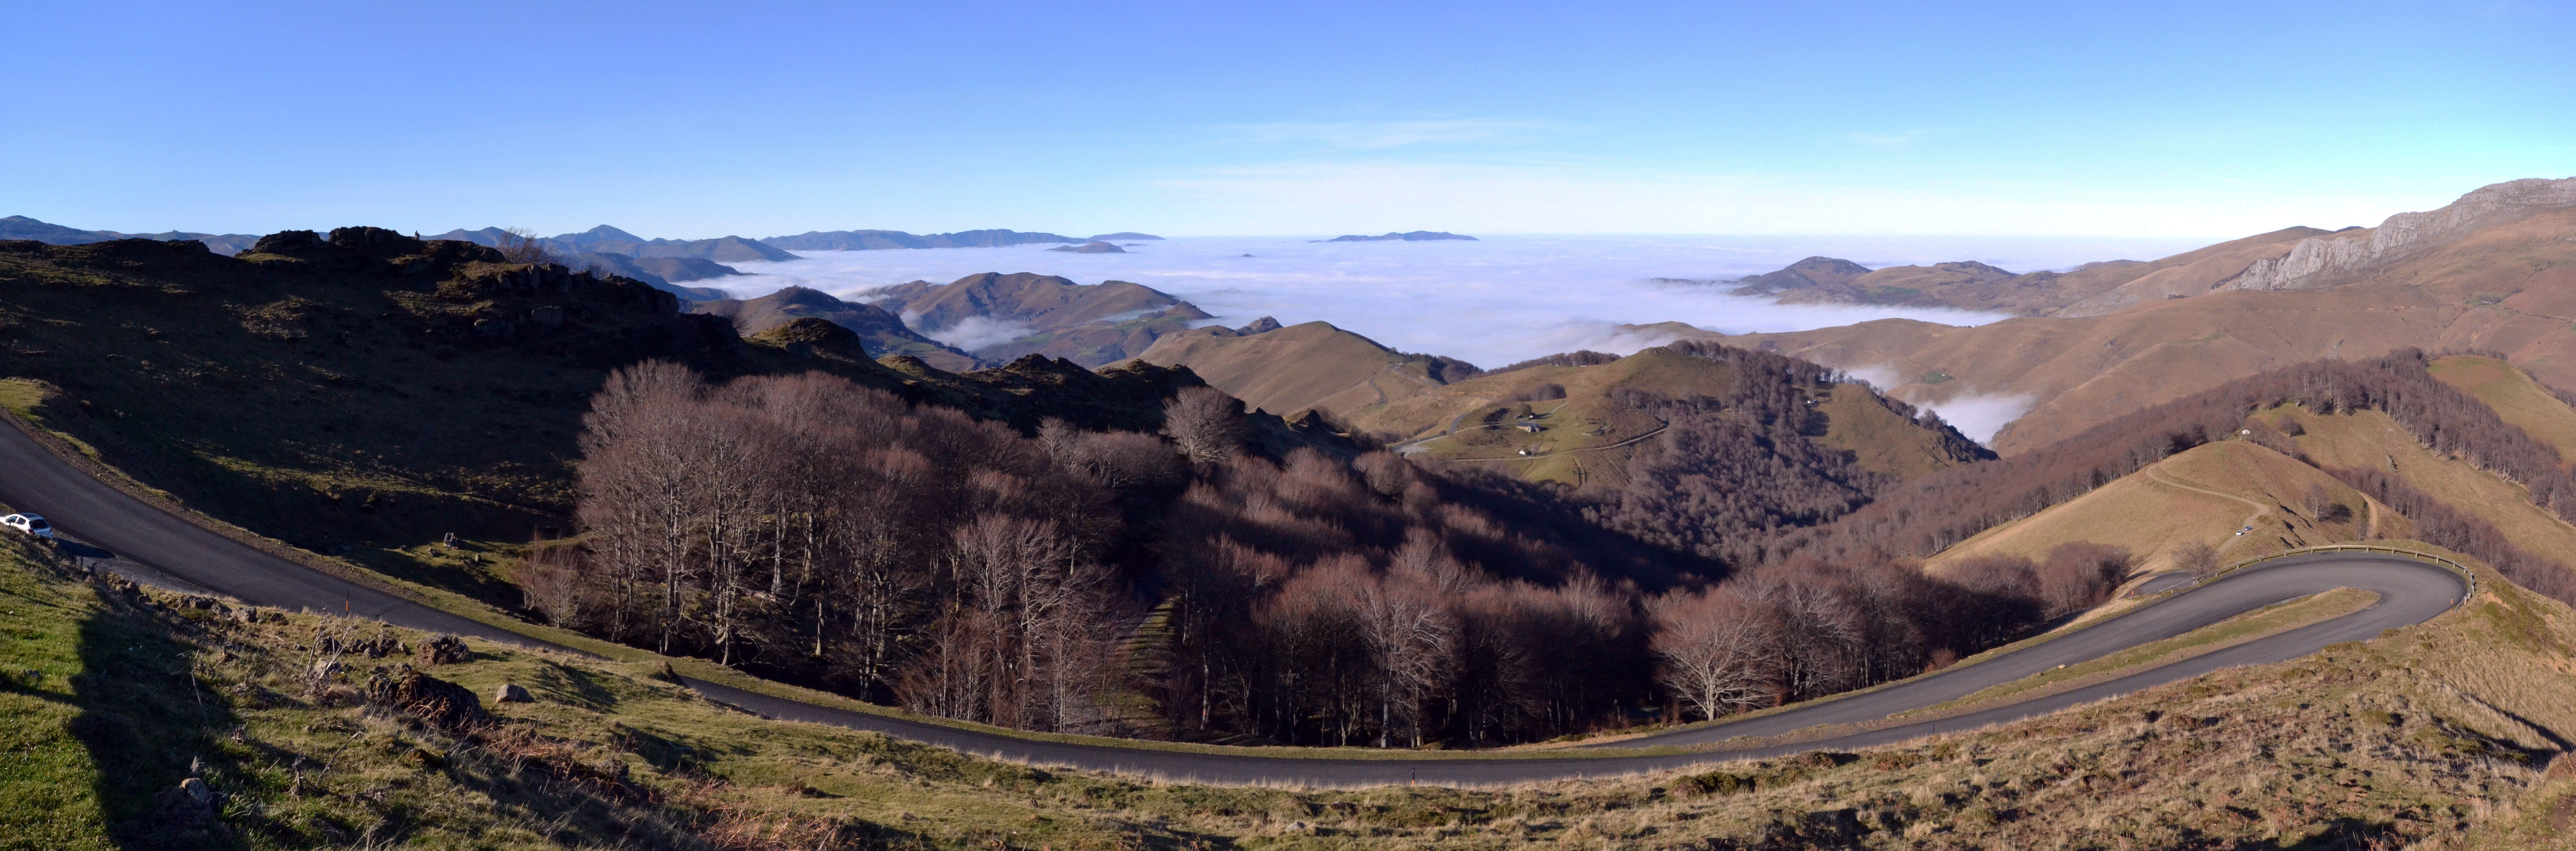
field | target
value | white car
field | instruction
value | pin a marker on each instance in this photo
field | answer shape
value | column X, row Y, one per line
column 30, row 524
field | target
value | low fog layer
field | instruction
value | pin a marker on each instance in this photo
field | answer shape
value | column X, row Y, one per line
column 1491, row 302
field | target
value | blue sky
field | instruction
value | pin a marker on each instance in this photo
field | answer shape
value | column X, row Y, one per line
column 1291, row 118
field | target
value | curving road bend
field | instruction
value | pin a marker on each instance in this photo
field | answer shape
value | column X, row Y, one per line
column 148, row 543
column 152, row 547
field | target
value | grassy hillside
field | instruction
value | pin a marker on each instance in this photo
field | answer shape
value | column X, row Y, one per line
column 2434, row 734
column 2205, row 494
column 2514, row 396
column 1312, row 365
column 2368, row 438
column 1588, row 431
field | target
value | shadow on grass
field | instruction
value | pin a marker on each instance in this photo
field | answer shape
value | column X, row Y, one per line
column 149, row 724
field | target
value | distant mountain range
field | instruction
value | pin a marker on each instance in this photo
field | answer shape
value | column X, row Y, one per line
column 1408, row 236
column 608, row 240
column 21, row 227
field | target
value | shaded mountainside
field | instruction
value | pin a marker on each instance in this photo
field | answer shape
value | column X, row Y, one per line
column 1310, row 365
column 1000, row 317
column 883, row 333
column 641, row 269
column 21, row 227
column 372, row 390
column 2495, row 271
column 1094, row 247
column 872, row 240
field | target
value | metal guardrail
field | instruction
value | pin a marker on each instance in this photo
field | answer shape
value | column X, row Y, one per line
column 2466, row 575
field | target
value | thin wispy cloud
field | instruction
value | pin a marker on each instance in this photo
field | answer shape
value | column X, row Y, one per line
column 1381, row 135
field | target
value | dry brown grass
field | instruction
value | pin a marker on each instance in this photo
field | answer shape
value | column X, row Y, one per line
column 2205, row 494
column 2514, row 396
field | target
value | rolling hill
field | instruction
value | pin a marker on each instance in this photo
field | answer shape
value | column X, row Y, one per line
column 1584, row 425
column 999, row 317
column 2495, row 270
column 1298, row 367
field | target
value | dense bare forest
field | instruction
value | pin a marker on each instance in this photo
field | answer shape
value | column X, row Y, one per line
column 821, row 532
column 1732, row 472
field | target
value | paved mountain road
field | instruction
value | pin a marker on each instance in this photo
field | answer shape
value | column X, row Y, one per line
column 2410, row 592
column 151, row 546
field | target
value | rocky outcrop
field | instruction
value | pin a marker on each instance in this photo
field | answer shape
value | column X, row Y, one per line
column 2321, row 261
column 435, row 702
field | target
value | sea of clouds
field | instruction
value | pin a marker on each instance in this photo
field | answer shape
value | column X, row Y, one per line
column 1491, row 302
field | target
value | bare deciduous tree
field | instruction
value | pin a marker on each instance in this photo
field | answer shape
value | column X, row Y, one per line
column 1206, row 423
column 2198, row 558
column 521, row 245
column 1719, row 651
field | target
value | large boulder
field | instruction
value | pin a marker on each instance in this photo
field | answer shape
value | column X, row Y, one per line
column 436, row 702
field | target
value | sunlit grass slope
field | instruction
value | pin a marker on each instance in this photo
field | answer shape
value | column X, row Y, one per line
column 2514, row 396
column 2205, row 494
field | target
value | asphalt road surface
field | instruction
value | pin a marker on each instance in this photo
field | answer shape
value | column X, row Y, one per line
column 149, row 543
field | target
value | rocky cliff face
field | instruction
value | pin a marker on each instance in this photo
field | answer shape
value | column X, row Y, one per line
column 2320, row 261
